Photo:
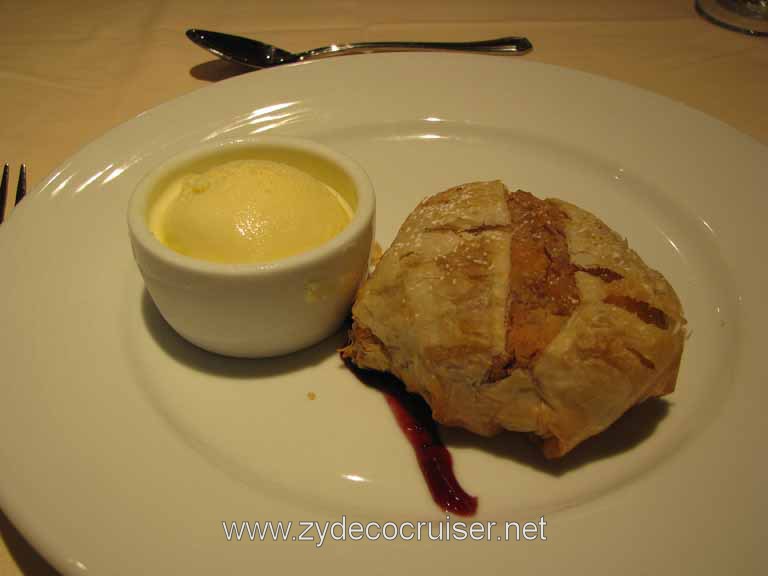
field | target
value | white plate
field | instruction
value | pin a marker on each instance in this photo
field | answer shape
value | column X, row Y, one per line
column 123, row 448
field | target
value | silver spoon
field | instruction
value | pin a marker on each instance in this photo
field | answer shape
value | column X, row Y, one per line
column 259, row 55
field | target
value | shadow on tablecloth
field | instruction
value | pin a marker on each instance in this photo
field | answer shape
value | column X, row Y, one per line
column 27, row 559
column 215, row 70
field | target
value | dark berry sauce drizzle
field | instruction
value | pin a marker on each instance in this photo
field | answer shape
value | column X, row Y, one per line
column 415, row 419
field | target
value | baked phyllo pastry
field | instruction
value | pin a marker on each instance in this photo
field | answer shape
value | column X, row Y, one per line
column 507, row 312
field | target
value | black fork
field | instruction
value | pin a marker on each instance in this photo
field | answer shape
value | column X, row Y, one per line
column 21, row 189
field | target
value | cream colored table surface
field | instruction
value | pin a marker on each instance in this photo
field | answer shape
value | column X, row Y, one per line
column 70, row 71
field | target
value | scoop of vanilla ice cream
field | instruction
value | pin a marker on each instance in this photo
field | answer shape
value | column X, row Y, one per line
column 248, row 211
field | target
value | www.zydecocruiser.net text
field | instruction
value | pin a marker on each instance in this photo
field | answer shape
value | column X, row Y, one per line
column 344, row 530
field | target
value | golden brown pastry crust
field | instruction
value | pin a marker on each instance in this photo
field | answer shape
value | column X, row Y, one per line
column 505, row 311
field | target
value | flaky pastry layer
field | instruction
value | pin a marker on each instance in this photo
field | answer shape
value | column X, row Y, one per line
column 505, row 311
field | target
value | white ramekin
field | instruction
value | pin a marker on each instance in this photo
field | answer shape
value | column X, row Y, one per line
column 257, row 310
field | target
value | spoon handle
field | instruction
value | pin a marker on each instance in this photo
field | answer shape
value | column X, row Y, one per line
column 507, row 45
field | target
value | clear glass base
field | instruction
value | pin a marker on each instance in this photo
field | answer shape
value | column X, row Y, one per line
column 745, row 16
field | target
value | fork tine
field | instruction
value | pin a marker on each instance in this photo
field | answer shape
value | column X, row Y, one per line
column 3, row 193
column 21, row 187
